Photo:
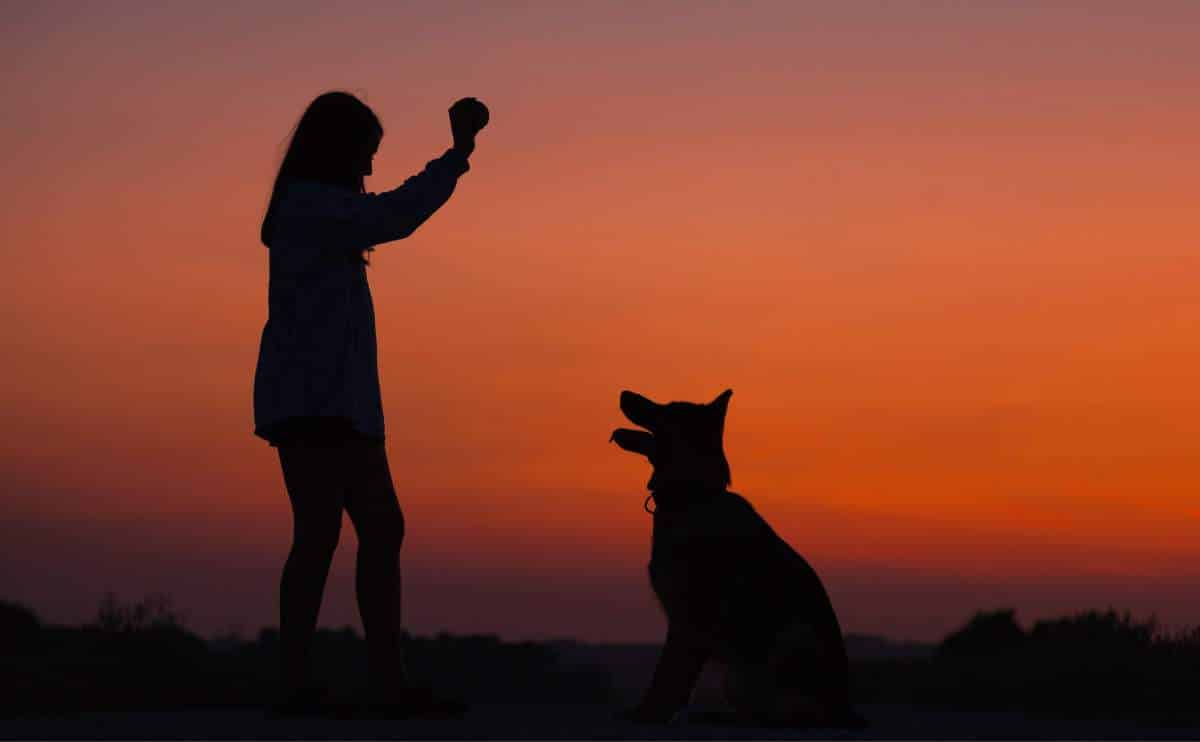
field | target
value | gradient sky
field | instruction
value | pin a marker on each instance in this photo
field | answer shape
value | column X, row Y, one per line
column 943, row 253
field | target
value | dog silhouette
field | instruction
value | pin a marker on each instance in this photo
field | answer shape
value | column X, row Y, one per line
column 733, row 591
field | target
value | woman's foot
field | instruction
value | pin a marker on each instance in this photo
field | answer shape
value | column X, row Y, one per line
column 413, row 703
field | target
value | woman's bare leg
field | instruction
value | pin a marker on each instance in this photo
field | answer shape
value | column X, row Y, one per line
column 313, row 477
column 375, row 512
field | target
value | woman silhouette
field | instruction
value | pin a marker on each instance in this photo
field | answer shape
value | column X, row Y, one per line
column 316, row 385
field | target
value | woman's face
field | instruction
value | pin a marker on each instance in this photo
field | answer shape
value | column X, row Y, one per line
column 364, row 166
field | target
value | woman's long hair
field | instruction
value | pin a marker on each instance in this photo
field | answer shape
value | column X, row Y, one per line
column 328, row 145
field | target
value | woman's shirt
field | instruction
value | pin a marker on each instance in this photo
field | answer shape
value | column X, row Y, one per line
column 317, row 356
column 323, row 431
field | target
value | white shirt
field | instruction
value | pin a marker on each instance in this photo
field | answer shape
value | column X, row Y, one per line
column 317, row 356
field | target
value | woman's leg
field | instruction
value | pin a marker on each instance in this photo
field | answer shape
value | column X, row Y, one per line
column 314, row 477
column 375, row 512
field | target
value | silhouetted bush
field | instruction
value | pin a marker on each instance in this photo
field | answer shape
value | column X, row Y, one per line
column 1093, row 664
column 153, row 611
column 20, row 629
column 985, row 634
column 1094, row 632
column 139, row 656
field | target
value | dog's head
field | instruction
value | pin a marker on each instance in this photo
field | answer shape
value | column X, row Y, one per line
column 682, row 440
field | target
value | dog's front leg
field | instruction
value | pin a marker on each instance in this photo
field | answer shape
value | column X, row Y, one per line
column 683, row 656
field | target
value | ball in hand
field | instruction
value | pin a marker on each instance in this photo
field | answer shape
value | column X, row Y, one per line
column 468, row 116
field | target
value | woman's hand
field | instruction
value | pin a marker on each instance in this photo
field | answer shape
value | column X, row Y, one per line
column 467, row 117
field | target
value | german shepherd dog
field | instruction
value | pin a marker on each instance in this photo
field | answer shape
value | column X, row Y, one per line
column 733, row 591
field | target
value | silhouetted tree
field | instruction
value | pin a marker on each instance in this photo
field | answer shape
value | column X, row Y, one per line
column 19, row 627
column 985, row 634
column 1095, row 632
column 154, row 610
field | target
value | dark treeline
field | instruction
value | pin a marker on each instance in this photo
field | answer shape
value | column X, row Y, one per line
column 1090, row 665
column 141, row 656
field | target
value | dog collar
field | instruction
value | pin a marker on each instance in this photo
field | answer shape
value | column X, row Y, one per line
column 671, row 498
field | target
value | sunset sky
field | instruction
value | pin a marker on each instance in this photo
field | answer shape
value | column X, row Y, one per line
column 945, row 254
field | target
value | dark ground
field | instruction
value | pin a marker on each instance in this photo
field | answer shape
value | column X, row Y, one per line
column 565, row 721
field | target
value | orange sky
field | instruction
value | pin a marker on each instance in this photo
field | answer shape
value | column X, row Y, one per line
column 945, row 257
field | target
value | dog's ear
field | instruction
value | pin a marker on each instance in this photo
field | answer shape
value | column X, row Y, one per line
column 719, row 406
column 640, row 410
column 638, row 441
column 721, row 403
